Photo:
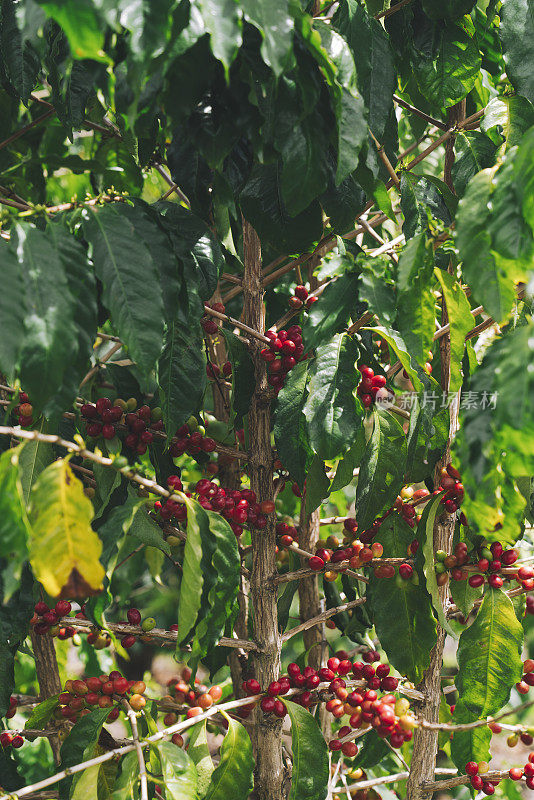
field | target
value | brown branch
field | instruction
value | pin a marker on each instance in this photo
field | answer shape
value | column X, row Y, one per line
column 392, row 9
column 26, row 128
column 438, row 786
column 385, row 160
column 432, row 120
column 321, row 618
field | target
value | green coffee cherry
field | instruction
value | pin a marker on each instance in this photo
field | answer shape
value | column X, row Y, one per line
column 440, row 568
column 131, row 403
column 148, row 624
column 441, row 555
column 192, row 424
column 156, row 414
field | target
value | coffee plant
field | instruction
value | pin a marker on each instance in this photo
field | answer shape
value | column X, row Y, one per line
column 267, row 380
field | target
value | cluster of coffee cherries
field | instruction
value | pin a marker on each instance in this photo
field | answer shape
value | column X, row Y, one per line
column 238, row 506
column 195, row 695
column 8, row 739
column 104, row 691
column 451, row 484
column 46, row 619
column 483, row 563
column 285, row 350
column 476, row 772
column 208, row 323
column 191, row 439
column 387, row 714
column 301, row 299
column 24, row 411
column 372, row 388
column 102, row 418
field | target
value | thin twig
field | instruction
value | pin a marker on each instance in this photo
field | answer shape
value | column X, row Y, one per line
column 130, row 713
column 26, row 128
column 309, row 623
column 237, row 324
column 392, row 9
column 432, row 120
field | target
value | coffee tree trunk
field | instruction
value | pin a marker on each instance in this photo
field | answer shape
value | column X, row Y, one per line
column 267, row 733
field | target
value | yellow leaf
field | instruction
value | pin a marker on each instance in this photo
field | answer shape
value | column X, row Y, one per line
column 64, row 549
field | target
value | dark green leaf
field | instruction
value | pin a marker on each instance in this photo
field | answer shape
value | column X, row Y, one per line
column 332, row 412
column 179, row 773
column 517, row 36
column 290, row 431
column 446, row 64
column 427, row 437
column 489, row 663
column 42, row 713
column 317, row 485
column 422, row 196
column 84, row 734
column 450, row 10
column 379, row 296
column 12, row 310
column 243, row 377
column 21, row 62
column 382, row 469
column 13, row 519
column 233, row 774
column 416, row 318
column 309, row 779
column 263, row 207
column 126, row 783
column 130, row 279
column 276, row 26
column 33, row 458
column 372, row 751
column 474, row 151
column 147, row 531
column 49, row 347
column 349, row 462
column 331, row 314
column 464, row 595
column 181, row 372
column 409, row 641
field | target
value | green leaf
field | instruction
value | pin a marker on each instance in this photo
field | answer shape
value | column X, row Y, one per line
column 195, row 246
column 348, row 103
column 262, row 205
column 179, row 773
column 409, row 641
column 13, row 520
column 446, row 64
column 317, row 485
column 489, row 283
column 372, row 752
column 416, row 317
column 276, row 27
column 345, row 469
column 332, row 411
column 426, row 529
column 290, row 431
column 309, row 779
column 126, row 783
column 517, row 37
column 33, row 458
column 331, row 314
column 49, row 347
column 474, row 151
column 422, row 196
column 64, row 550
column 427, row 438
column 83, row 735
column 12, row 309
column 413, row 262
column 398, row 345
column 379, row 296
column 210, row 580
column 451, row 10
column 233, row 774
column 300, row 141
column 130, row 279
column 513, row 114
column 489, row 664
column 376, row 73
column 42, row 713
column 198, row 751
column 82, row 25
column 382, row 469
column 222, row 22
column 181, row 372
column 21, row 62
column 461, row 322
column 464, row 595
column 143, row 528
column 243, row 377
